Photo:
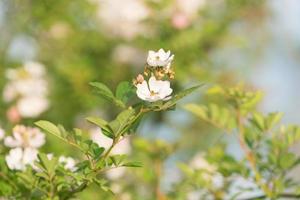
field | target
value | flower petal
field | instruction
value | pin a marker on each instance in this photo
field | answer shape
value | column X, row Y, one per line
column 142, row 90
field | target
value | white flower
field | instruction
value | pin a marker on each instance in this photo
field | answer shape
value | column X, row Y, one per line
column 31, row 87
column 116, row 173
column 199, row 162
column 157, row 90
column 35, row 69
column 17, row 159
column 25, row 137
column 160, row 58
column 9, row 92
column 242, row 188
column 2, row 133
column 190, row 7
column 123, row 18
column 68, row 162
column 28, row 88
column 32, row 106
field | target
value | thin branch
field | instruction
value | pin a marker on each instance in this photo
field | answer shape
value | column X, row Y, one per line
column 249, row 154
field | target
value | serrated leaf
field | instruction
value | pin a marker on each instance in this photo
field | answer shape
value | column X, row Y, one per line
column 124, row 91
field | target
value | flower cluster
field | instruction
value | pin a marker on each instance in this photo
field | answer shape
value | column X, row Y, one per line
column 159, row 71
column 28, row 89
column 24, row 142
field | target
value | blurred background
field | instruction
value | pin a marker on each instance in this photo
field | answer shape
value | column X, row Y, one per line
column 51, row 49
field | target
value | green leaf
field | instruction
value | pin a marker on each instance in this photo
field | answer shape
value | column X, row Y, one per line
column 132, row 164
column 258, row 121
column 287, row 160
column 273, row 119
column 48, row 164
column 122, row 121
column 124, row 91
column 107, row 94
column 49, row 127
column 102, row 124
column 102, row 89
column 179, row 96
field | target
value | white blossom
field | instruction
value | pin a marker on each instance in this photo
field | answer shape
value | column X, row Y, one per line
column 116, row 173
column 9, row 92
column 190, row 7
column 123, row 18
column 155, row 90
column 68, row 163
column 25, row 137
column 126, row 54
column 19, row 158
column 209, row 171
column 2, row 133
column 199, row 162
column 35, row 69
column 31, row 107
column 28, row 88
column 160, row 58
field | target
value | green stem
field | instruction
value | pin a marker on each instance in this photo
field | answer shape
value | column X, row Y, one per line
column 249, row 155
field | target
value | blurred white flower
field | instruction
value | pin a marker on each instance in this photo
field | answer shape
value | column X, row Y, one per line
column 217, row 180
column 31, row 87
column 160, row 58
column 190, row 7
column 240, row 184
column 209, row 171
column 28, row 87
column 31, row 107
column 126, row 54
column 9, row 92
column 123, row 18
column 35, row 69
column 68, row 163
column 157, row 90
column 116, row 173
column 199, row 162
column 18, row 158
column 2, row 133
column 25, row 137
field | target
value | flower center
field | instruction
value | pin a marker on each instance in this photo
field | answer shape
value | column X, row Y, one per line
column 152, row 93
column 157, row 57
